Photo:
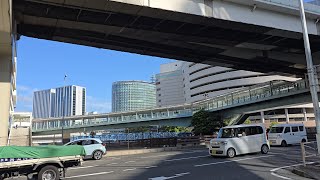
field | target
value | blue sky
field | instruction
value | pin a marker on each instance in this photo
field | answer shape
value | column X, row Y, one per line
column 42, row 65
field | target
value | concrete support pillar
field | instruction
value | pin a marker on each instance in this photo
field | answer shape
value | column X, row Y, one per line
column 262, row 117
column 287, row 115
column 304, row 114
column 5, row 98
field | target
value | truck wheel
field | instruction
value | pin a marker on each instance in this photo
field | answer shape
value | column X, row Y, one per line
column 97, row 155
column 49, row 173
column 303, row 140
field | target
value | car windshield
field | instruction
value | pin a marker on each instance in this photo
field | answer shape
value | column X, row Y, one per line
column 276, row 130
column 227, row 133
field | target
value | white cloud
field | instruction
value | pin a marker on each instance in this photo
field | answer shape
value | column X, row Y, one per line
column 25, row 97
column 98, row 105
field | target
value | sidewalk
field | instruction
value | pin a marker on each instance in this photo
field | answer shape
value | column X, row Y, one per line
column 310, row 171
column 142, row 151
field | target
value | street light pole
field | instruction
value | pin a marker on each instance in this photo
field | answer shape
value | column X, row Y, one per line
column 310, row 68
column 63, row 105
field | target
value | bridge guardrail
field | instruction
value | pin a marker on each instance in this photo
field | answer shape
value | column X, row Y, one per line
column 310, row 6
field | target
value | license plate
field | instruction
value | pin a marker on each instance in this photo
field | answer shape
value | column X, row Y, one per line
column 270, row 142
column 214, row 152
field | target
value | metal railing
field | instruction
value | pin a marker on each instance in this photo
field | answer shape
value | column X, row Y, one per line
column 244, row 96
column 310, row 6
column 129, row 136
column 309, row 149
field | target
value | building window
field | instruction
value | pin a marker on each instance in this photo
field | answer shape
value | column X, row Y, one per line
column 159, row 94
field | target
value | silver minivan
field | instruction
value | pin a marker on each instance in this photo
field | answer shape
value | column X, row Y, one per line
column 285, row 134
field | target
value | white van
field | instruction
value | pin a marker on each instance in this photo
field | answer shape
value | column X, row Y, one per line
column 240, row 139
column 284, row 134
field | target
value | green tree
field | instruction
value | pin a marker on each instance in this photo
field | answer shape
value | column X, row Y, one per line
column 206, row 123
column 272, row 124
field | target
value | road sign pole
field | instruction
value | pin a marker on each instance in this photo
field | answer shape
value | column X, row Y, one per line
column 310, row 68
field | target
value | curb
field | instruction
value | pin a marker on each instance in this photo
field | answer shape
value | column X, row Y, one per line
column 143, row 151
column 301, row 173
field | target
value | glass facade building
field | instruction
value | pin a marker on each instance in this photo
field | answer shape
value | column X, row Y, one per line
column 58, row 102
column 133, row 95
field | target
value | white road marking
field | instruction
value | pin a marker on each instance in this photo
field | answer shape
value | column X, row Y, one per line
column 282, row 177
column 273, row 171
column 168, row 160
column 129, row 169
column 223, row 162
column 129, row 162
column 85, row 175
column 112, row 164
column 157, row 156
column 171, row 177
column 150, row 167
column 82, row 167
column 188, row 152
column 114, row 158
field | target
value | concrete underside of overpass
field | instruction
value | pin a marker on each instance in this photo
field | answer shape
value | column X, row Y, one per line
column 224, row 33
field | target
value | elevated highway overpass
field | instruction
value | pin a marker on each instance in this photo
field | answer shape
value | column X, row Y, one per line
column 255, row 35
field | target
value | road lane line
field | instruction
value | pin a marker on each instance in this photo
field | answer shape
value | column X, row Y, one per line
column 178, row 159
column 112, row 164
column 82, row 167
column 129, row 162
column 129, row 169
column 171, row 177
column 223, row 162
column 282, row 177
column 273, row 171
column 150, row 167
column 85, row 175
column 188, row 152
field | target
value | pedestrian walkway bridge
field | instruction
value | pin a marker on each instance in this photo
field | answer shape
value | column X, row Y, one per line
column 179, row 115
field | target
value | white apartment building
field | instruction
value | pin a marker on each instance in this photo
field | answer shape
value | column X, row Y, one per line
column 185, row 82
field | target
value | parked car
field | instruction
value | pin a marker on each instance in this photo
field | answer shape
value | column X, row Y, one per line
column 239, row 139
column 285, row 134
column 94, row 147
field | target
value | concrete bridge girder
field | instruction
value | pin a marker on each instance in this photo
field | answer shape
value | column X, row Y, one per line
column 203, row 31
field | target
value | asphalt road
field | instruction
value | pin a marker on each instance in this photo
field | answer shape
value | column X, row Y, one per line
column 190, row 165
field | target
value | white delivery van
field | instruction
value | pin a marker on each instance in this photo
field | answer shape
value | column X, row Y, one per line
column 240, row 139
column 284, row 134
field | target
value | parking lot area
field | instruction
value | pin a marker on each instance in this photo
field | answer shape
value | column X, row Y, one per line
column 191, row 164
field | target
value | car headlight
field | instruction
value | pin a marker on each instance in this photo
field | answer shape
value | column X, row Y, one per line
column 224, row 142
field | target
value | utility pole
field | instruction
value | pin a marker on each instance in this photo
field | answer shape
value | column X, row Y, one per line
column 311, row 76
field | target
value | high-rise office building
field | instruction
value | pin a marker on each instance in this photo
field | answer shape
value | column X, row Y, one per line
column 58, row 102
column 133, row 95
